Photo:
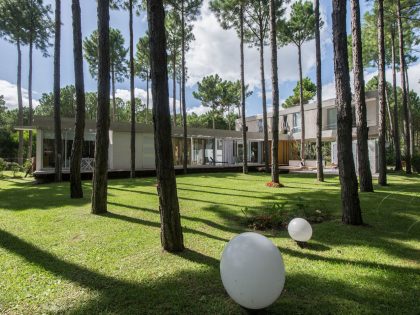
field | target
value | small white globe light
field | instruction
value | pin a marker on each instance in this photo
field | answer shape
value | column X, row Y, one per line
column 252, row 271
column 300, row 230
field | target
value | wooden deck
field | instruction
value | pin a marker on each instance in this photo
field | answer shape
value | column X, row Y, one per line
column 48, row 175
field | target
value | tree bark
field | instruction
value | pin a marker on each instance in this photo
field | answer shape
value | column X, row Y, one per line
column 29, row 153
column 382, row 179
column 320, row 166
column 264, row 103
column 404, row 91
column 365, row 174
column 57, row 105
column 174, row 86
column 243, row 97
column 114, row 103
column 132, row 96
column 171, row 230
column 147, row 99
column 275, row 96
column 100, row 174
column 20, row 102
column 351, row 212
column 76, row 190
column 302, row 109
column 184, row 106
column 410, row 116
column 396, row 135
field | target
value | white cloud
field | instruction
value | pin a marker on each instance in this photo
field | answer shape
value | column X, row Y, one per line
column 9, row 91
column 217, row 51
column 199, row 110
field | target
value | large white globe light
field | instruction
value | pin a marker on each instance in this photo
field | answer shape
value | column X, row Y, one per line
column 300, row 230
column 252, row 271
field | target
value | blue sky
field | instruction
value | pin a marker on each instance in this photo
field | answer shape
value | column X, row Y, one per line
column 214, row 51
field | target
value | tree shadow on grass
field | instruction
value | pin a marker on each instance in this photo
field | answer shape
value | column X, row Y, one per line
column 200, row 291
column 135, row 220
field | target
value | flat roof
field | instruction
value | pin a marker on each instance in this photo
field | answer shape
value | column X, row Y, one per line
column 47, row 123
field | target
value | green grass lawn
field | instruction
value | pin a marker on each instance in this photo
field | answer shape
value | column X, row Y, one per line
column 56, row 257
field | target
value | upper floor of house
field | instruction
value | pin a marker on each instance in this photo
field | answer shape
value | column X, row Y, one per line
column 290, row 119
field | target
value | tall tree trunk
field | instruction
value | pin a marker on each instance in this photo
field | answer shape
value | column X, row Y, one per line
column 174, row 86
column 147, row 99
column 180, row 101
column 132, row 97
column 100, row 173
column 404, row 91
column 302, row 109
column 171, row 230
column 320, row 166
column 410, row 116
column 275, row 96
column 264, row 103
column 76, row 190
column 114, row 102
column 396, row 135
column 243, row 97
column 20, row 102
column 365, row 174
column 184, row 106
column 29, row 153
column 57, row 105
column 351, row 212
column 382, row 179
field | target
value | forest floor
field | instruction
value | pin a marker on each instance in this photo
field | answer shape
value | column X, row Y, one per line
column 56, row 257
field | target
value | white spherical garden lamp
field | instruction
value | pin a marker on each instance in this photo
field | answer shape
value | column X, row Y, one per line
column 300, row 230
column 252, row 271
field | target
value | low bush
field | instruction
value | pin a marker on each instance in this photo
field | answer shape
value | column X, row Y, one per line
column 279, row 215
column 15, row 168
column 2, row 166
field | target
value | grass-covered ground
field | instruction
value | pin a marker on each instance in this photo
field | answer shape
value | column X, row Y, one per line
column 55, row 257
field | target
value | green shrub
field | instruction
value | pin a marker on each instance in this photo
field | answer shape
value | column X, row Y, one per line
column 2, row 166
column 415, row 161
column 279, row 215
column 15, row 168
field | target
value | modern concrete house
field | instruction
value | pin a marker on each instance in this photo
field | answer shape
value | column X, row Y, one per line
column 290, row 125
column 207, row 148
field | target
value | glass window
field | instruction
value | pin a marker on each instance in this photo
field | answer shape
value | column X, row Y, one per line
column 297, row 121
column 332, row 118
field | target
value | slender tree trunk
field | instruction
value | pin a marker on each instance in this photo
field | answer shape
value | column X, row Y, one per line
column 396, row 136
column 228, row 115
column 404, row 91
column 132, row 96
column 57, row 105
column 114, row 102
column 174, row 86
column 180, row 102
column 302, row 109
column 275, row 96
column 320, row 166
column 382, row 180
column 410, row 116
column 171, row 230
column 29, row 155
column 351, row 212
column 243, row 97
column 184, row 106
column 264, row 103
column 100, row 174
column 20, row 102
column 76, row 190
column 365, row 174
column 147, row 99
